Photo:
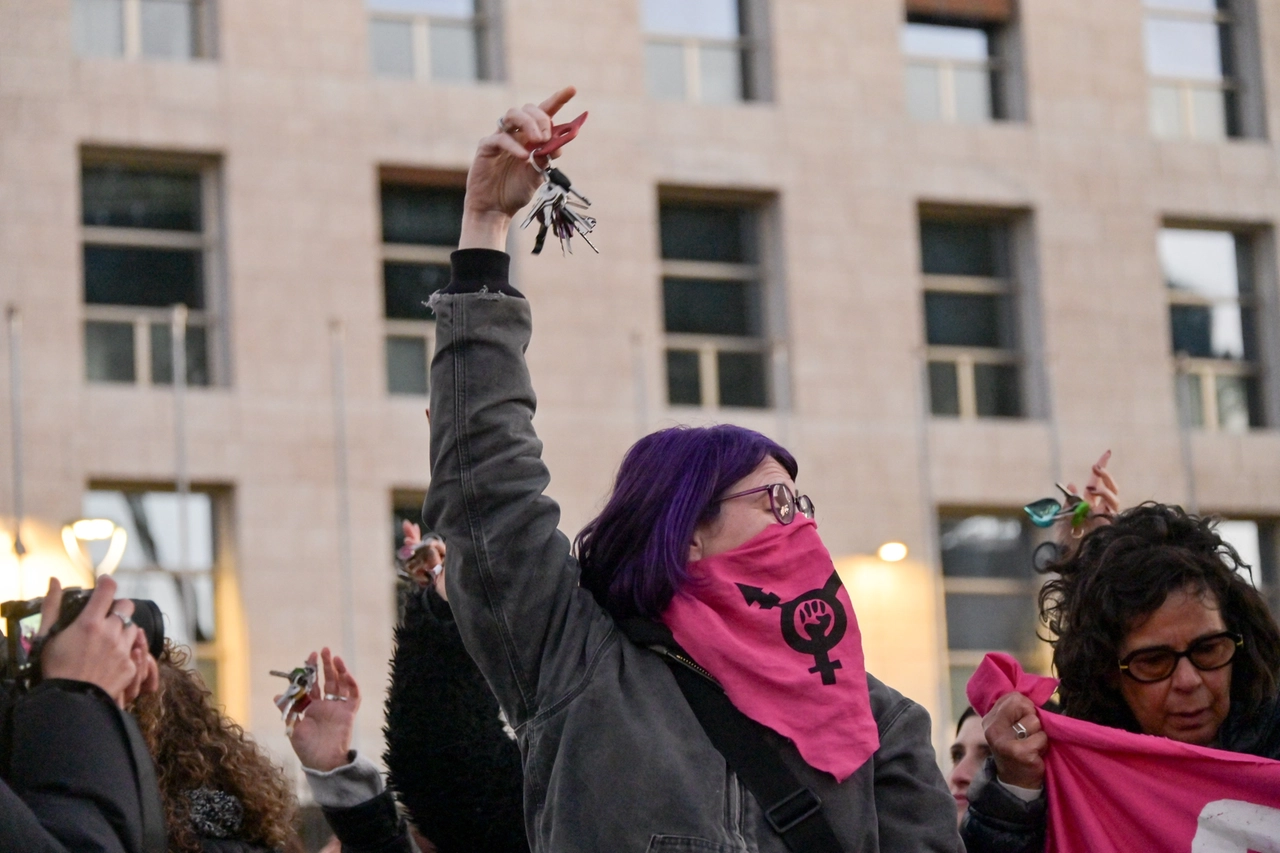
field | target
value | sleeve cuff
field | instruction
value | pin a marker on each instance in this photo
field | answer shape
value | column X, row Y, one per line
column 1027, row 795
column 477, row 270
column 353, row 783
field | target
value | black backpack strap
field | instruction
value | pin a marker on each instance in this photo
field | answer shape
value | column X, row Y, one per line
column 792, row 809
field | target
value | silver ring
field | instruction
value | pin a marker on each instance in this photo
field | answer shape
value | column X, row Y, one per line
column 502, row 126
column 333, row 697
column 1020, row 731
column 124, row 619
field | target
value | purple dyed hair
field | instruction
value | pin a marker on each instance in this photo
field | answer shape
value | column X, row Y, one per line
column 635, row 552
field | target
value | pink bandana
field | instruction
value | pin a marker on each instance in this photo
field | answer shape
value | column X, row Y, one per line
column 772, row 622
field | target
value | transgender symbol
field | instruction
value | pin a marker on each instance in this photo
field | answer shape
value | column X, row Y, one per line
column 812, row 623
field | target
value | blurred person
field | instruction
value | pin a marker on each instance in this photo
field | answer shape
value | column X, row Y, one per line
column 222, row 793
column 969, row 752
column 1157, row 632
column 452, row 758
column 610, row 664
column 76, row 772
column 346, row 785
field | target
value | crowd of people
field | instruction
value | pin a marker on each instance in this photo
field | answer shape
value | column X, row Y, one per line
column 685, row 675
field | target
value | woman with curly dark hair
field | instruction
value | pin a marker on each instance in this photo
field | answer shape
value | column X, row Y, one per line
column 221, row 791
column 1158, row 631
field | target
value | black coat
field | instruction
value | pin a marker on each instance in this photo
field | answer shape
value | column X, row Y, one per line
column 451, row 761
column 999, row 822
column 78, row 777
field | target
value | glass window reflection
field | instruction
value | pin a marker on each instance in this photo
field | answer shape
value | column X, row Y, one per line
column 699, row 18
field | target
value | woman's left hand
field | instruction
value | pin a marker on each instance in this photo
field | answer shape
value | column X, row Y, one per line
column 322, row 738
column 1101, row 493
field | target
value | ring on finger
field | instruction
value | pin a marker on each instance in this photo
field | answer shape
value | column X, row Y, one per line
column 334, row 697
column 1020, row 731
column 125, row 620
column 503, row 127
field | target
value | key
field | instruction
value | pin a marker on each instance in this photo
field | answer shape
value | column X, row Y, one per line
column 555, row 211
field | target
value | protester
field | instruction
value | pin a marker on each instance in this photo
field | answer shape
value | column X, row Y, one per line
column 452, row 760
column 968, row 753
column 346, row 785
column 617, row 756
column 1158, row 631
column 221, row 791
column 81, row 779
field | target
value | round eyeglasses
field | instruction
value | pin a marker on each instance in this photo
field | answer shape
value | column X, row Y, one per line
column 782, row 501
column 1148, row 666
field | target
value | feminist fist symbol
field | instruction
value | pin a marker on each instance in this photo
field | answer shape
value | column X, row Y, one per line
column 818, row 613
column 815, row 618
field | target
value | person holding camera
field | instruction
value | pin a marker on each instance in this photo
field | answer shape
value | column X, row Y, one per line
column 77, row 775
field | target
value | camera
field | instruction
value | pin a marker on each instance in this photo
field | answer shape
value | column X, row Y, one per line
column 20, row 627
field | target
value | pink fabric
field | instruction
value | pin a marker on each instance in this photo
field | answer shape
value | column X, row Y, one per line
column 772, row 622
column 1111, row 790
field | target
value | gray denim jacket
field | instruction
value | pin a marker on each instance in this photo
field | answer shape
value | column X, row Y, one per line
column 614, row 759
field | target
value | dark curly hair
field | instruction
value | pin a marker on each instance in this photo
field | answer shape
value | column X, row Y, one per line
column 195, row 746
column 1122, row 572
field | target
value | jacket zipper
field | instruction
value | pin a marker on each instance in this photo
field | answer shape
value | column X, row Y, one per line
column 691, row 665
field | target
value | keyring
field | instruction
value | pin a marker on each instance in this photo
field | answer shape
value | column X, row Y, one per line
column 1020, row 731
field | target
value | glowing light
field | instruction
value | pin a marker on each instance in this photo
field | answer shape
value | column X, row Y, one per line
column 892, row 552
column 93, row 529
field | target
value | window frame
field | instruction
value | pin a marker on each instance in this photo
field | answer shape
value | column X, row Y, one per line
column 1186, row 87
column 1207, row 371
column 207, row 241
column 996, row 69
column 482, row 24
column 967, row 358
column 751, row 46
column 708, row 346
column 203, row 36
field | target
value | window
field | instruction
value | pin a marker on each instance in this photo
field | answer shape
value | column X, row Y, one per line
column 717, row 349
column 956, row 68
column 1258, row 544
column 420, row 229
column 442, row 40
column 1192, row 63
column 702, row 51
column 148, row 244
column 991, row 589
column 1212, row 316
column 148, row 29
column 171, row 557
column 969, row 319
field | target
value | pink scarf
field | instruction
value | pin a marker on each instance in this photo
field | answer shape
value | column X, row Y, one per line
column 772, row 622
column 1111, row 791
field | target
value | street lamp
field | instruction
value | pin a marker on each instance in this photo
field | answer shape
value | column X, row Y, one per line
column 892, row 552
column 76, row 534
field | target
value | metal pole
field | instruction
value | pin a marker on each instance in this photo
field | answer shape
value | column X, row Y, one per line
column 15, row 431
column 337, row 340
column 1183, row 395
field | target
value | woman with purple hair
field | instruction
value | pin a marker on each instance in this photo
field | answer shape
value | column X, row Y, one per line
column 688, row 675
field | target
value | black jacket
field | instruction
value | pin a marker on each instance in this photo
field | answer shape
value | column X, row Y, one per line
column 999, row 822
column 451, row 761
column 78, row 776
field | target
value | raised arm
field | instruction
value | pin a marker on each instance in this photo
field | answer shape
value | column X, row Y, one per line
column 510, row 579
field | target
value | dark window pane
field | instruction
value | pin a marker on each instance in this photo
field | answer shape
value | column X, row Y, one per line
column 968, row 320
column 162, row 355
column 406, row 365
column 742, row 379
column 959, row 248
column 985, row 622
column 985, row 546
column 135, row 198
column 108, row 352
column 1192, row 330
column 407, row 286
column 944, row 391
column 996, row 388
column 407, row 508
column 684, row 387
column 120, row 275
column 427, row 215
column 709, row 307
column 706, row 233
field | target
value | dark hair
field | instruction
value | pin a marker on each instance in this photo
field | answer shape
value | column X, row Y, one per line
column 1124, row 571
column 968, row 712
column 634, row 553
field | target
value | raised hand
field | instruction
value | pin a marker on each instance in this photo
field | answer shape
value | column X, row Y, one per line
column 1101, row 493
column 501, row 179
column 322, row 738
column 1017, row 742
column 422, row 565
